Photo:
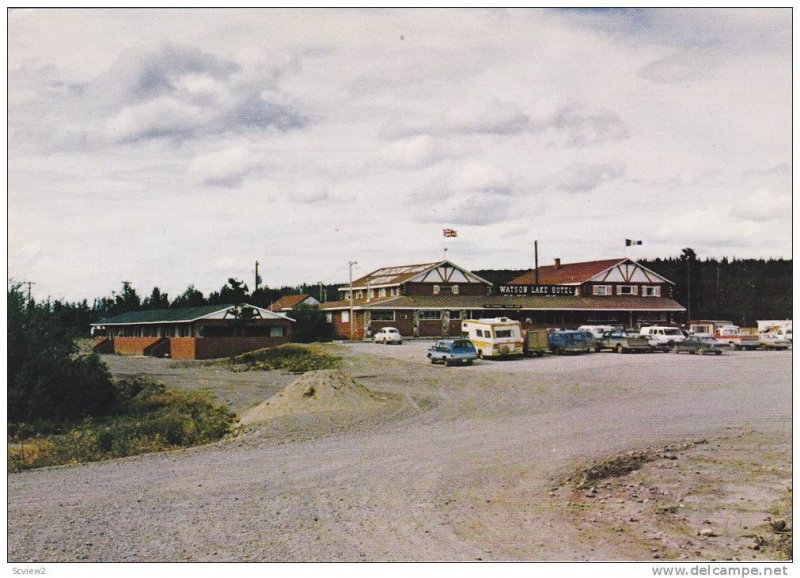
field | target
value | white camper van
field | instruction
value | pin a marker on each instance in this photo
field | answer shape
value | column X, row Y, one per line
column 497, row 337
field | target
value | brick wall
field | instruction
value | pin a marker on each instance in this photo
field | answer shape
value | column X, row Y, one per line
column 132, row 345
column 183, row 347
column 342, row 330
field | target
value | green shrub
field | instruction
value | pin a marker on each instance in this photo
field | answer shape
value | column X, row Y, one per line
column 153, row 418
column 289, row 357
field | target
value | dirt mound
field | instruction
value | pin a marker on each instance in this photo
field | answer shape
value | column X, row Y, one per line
column 323, row 391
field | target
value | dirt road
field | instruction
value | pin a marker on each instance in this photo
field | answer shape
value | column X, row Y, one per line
column 472, row 466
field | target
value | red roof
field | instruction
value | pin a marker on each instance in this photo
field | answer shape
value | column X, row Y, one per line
column 566, row 273
column 288, row 302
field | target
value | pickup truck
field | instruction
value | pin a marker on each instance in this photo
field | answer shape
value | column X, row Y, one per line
column 623, row 342
column 733, row 337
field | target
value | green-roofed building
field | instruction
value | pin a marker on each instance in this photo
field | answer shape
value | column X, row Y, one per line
column 192, row 332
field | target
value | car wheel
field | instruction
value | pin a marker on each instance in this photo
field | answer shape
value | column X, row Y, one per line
column 446, row 362
column 732, row 346
column 468, row 362
column 717, row 353
column 674, row 349
column 620, row 349
column 597, row 348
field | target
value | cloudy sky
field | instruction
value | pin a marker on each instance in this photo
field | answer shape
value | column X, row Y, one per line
column 169, row 147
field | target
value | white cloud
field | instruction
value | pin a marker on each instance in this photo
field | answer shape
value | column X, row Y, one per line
column 163, row 116
column 224, row 168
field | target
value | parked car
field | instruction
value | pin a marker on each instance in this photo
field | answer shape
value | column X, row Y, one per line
column 700, row 344
column 771, row 340
column 623, row 342
column 664, row 334
column 388, row 335
column 597, row 331
column 567, row 341
column 449, row 351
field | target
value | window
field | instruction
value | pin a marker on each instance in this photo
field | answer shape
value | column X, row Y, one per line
column 382, row 315
column 479, row 332
column 502, row 333
column 652, row 291
column 436, row 289
column 627, row 290
column 329, row 317
column 455, row 289
column 345, row 317
column 382, row 292
column 456, row 315
column 430, row 314
column 601, row 290
column 276, row 331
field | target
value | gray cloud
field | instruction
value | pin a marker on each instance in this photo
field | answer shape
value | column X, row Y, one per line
column 578, row 126
column 584, row 177
column 173, row 92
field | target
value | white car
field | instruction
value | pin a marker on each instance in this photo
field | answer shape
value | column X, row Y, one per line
column 388, row 335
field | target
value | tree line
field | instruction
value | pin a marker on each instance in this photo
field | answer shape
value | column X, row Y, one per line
column 740, row 290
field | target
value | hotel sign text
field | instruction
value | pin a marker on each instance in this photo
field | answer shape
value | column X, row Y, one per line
column 537, row 290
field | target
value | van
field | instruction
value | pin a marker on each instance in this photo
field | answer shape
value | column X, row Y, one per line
column 664, row 335
column 567, row 341
column 497, row 337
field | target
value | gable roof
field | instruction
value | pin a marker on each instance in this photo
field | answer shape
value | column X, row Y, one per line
column 575, row 273
column 176, row 315
column 289, row 302
column 392, row 276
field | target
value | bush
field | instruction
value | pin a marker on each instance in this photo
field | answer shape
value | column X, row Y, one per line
column 289, row 357
column 153, row 418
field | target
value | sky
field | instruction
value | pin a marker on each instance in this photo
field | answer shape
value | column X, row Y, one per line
column 178, row 146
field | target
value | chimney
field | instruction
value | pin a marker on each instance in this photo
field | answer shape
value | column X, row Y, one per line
column 558, row 264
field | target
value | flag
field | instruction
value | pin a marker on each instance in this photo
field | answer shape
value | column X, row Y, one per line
column 450, row 232
column 629, row 242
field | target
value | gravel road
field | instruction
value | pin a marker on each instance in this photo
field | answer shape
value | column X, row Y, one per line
column 459, row 474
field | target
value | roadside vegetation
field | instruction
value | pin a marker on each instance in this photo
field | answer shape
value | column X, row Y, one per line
column 148, row 417
column 65, row 408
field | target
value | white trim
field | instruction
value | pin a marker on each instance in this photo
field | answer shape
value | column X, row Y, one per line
column 619, row 263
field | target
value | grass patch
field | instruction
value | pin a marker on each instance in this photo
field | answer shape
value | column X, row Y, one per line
column 290, row 357
column 150, row 417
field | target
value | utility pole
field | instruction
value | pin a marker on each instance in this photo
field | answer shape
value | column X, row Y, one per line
column 351, row 263
column 28, row 283
column 536, row 261
column 258, row 279
column 688, row 289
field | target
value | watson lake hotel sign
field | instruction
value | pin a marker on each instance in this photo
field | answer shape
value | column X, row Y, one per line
column 537, row 290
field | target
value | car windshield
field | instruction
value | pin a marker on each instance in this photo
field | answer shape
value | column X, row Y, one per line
column 672, row 332
column 463, row 344
column 708, row 340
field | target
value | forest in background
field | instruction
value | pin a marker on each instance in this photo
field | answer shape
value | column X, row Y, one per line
column 739, row 290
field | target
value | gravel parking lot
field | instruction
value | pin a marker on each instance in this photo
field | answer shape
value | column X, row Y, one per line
column 471, row 466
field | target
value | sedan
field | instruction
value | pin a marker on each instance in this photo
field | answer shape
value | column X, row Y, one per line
column 388, row 335
column 698, row 344
column 449, row 351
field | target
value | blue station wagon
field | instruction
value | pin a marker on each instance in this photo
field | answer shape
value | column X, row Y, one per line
column 449, row 351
